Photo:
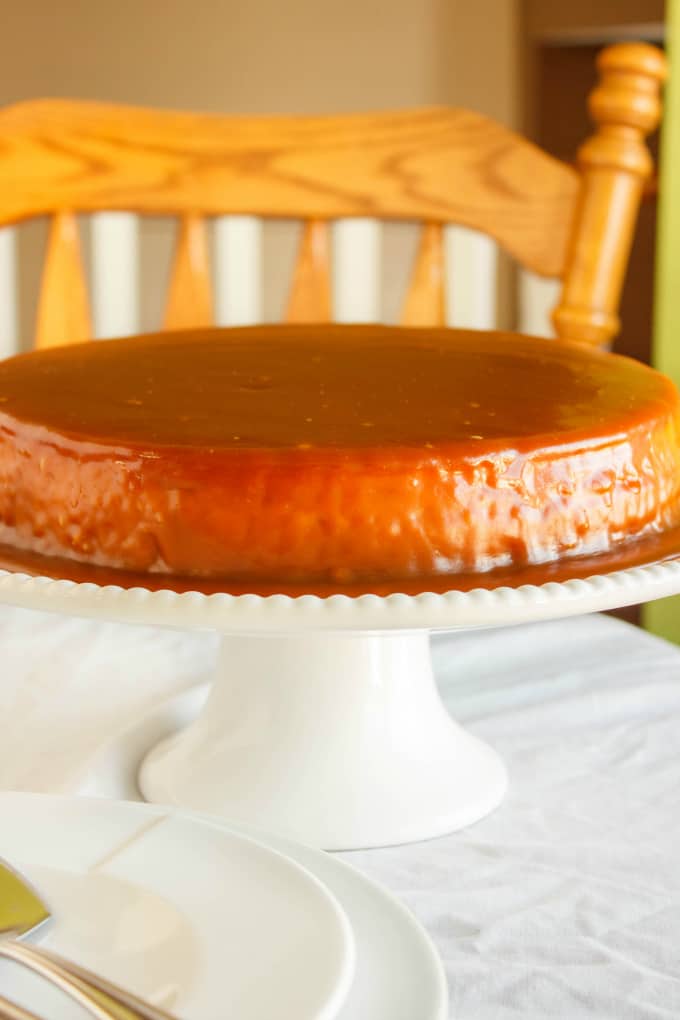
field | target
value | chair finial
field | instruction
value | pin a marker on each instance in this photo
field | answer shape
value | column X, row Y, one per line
column 615, row 162
column 626, row 106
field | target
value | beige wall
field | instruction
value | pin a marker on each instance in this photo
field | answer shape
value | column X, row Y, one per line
column 264, row 55
column 255, row 57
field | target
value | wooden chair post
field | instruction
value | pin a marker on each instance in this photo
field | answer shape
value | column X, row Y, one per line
column 189, row 302
column 310, row 292
column 615, row 162
column 63, row 307
column 425, row 300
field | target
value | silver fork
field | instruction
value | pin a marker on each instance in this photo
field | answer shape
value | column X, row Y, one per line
column 100, row 997
column 11, row 1011
column 22, row 912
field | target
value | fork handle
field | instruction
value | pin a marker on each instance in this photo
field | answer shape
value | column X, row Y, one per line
column 13, row 1011
column 100, row 997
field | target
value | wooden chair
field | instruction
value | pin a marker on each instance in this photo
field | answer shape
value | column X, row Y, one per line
column 340, row 175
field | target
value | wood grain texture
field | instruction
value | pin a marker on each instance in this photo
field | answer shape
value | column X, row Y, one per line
column 190, row 302
column 615, row 163
column 63, row 310
column 432, row 164
column 310, row 292
column 436, row 166
column 425, row 299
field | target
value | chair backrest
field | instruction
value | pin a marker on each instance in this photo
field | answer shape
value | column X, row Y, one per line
column 341, row 175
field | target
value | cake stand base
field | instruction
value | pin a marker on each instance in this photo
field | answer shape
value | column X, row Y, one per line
column 339, row 740
column 325, row 723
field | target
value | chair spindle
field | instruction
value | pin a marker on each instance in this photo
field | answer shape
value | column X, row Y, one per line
column 310, row 293
column 190, row 302
column 425, row 300
column 63, row 308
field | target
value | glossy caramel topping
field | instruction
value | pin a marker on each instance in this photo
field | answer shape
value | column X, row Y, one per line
column 324, row 386
column 652, row 549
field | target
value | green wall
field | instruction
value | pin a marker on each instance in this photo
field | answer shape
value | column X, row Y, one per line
column 663, row 617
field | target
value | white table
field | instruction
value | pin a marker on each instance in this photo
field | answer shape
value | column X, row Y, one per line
column 563, row 903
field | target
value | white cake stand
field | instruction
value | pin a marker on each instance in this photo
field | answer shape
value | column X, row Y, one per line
column 324, row 722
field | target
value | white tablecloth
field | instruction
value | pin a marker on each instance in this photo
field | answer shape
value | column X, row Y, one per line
column 563, row 903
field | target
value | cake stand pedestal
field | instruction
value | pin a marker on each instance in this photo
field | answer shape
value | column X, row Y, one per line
column 339, row 738
column 324, row 722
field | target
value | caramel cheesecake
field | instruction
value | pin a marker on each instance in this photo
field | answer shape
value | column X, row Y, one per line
column 333, row 453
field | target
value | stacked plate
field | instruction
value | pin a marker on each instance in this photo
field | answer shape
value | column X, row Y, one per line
column 212, row 922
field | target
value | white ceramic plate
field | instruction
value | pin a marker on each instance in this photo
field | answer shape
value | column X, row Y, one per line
column 398, row 972
column 399, row 975
column 201, row 920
